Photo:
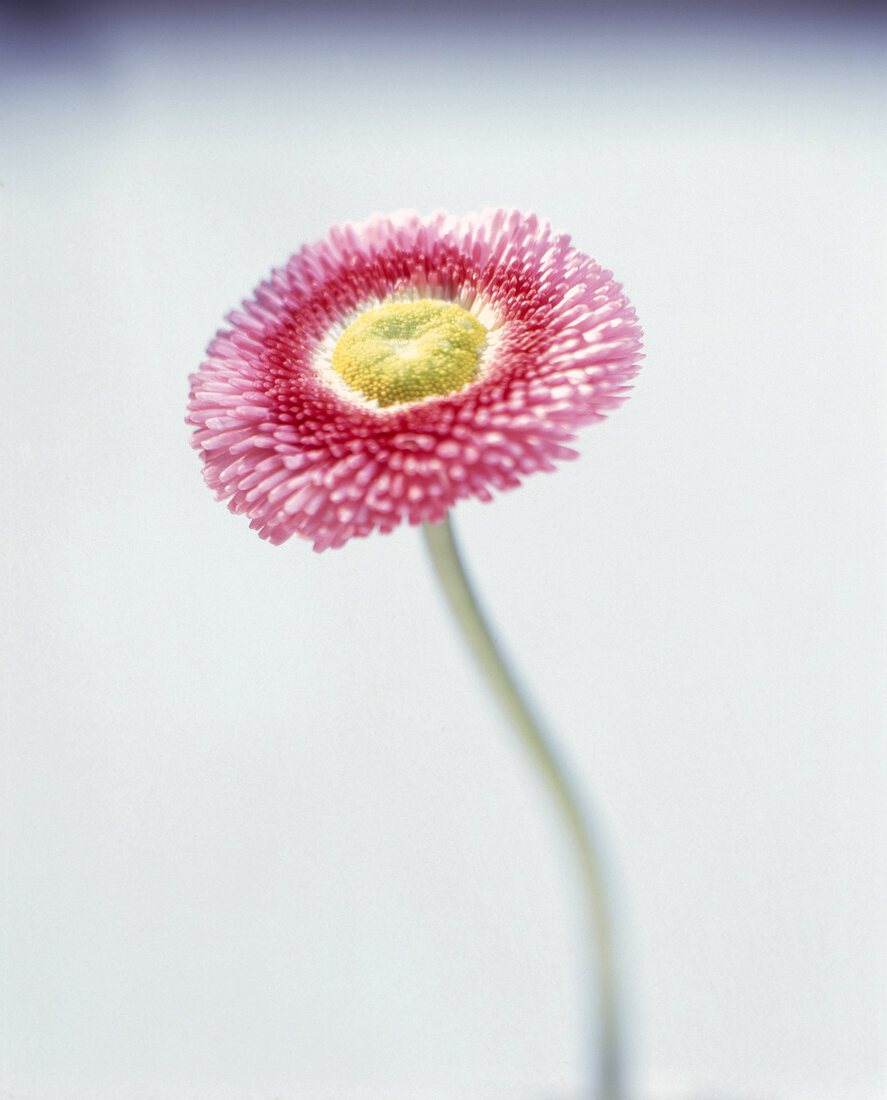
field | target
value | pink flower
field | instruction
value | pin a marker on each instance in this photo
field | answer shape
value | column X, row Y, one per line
column 404, row 364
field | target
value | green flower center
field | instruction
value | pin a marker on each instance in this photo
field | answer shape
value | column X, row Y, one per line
column 405, row 351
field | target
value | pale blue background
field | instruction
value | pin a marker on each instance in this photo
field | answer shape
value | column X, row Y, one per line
column 266, row 835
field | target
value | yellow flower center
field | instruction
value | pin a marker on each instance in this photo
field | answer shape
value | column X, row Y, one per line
column 405, row 351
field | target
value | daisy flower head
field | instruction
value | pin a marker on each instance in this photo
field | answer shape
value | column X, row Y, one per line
column 401, row 365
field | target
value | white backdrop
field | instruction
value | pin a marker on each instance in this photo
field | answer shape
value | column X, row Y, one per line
column 266, row 834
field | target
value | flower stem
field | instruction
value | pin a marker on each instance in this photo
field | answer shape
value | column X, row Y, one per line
column 462, row 601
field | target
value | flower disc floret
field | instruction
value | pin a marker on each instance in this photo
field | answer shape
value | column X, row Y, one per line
column 405, row 351
column 404, row 364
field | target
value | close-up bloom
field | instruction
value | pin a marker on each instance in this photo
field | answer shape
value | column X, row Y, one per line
column 404, row 364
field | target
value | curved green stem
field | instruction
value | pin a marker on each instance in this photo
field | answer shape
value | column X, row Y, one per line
column 457, row 588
